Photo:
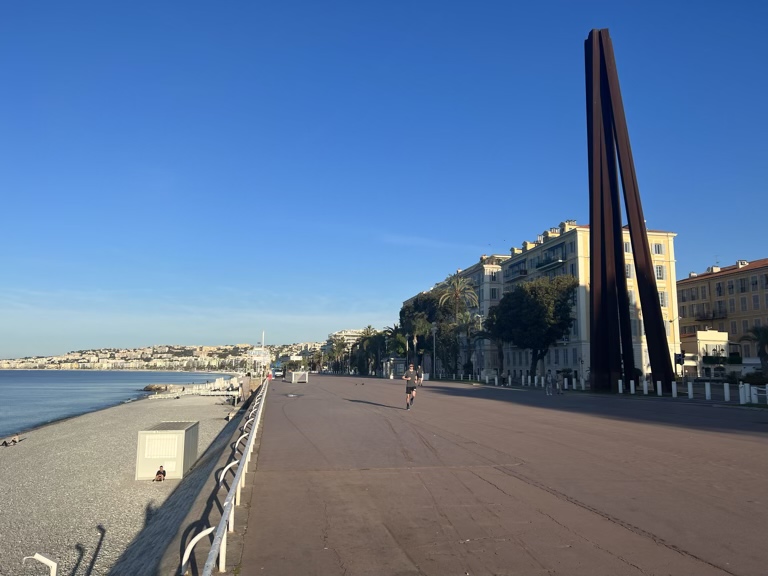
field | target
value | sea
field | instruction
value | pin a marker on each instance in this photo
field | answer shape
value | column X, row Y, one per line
column 32, row 398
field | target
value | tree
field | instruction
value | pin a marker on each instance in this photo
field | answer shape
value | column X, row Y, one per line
column 535, row 315
column 759, row 335
column 457, row 294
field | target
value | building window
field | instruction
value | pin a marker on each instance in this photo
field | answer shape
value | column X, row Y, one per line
column 632, row 298
column 575, row 328
column 663, row 299
column 721, row 326
column 658, row 248
column 734, row 331
column 757, row 323
column 660, row 273
column 494, row 293
column 755, row 302
column 573, row 269
column 742, row 285
column 731, row 305
column 720, row 306
column 719, row 288
column 572, row 246
column 695, row 293
column 730, row 286
column 744, row 326
column 765, row 281
column 493, row 276
column 574, row 357
column 743, row 303
column 628, row 270
column 753, row 281
column 683, row 312
column 703, row 292
column 628, row 247
column 747, row 350
column 557, row 355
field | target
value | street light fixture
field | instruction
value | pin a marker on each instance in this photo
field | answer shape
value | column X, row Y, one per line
column 434, row 348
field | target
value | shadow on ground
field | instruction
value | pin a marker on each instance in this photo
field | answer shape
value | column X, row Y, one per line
column 668, row 411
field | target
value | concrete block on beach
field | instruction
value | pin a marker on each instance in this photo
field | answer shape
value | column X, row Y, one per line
column 71, row 493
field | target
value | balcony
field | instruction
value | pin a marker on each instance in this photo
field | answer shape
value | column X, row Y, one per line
column 716, row 315
column 514, row 274
column 549, row 263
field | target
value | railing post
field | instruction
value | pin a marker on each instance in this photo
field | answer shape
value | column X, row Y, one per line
column 631, row 386
column 565, row 383
column 707, row 390
column 674, row 389
column 645, row 386
column 755, row 399
column 496, row 379
column 658, row 387
column 690, row 390
column 223, row 554
column 727, row 392
column 742, row 394
column 621, row 386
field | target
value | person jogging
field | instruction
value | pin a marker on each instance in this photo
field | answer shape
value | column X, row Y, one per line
column 419, row 376
column 411, row 378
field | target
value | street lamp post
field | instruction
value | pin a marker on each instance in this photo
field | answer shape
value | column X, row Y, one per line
column 434, row 348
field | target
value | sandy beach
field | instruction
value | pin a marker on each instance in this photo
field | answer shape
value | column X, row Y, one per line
column 70, row 493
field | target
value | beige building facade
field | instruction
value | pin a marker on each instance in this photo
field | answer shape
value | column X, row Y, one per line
column 565, row 250
column 730, row 299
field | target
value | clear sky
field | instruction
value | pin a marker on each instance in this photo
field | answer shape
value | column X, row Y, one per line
column 199, row 172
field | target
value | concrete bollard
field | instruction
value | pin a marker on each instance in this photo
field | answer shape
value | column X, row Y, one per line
column 754, row 398
column 674, row 389
column 727, row 392
column 658, row 387
column 747, row 392
column 529, row 379
column 565, row 383
column 486, row 379
column 707, row 390
column 631, row 386
column 742, row 395
column 583, row 385
column 496, row 380
column 690, row 390
column 645, row 386
column 621, row 387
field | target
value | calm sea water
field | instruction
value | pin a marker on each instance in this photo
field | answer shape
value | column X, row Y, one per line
column 30, row 398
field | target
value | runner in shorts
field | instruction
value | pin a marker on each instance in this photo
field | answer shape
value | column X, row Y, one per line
column 410, row 386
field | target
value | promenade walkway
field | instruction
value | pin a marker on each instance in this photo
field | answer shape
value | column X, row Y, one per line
column 482, row 480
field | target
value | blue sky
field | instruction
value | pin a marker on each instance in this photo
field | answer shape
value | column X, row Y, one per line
column 199, row 172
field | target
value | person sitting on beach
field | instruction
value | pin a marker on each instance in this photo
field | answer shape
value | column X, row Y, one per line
column 13, row 441
column 159, row 475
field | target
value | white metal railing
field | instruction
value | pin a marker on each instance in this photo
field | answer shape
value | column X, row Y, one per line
column 227, row 522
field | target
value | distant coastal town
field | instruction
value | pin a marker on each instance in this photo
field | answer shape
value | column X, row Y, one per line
column 229, row 357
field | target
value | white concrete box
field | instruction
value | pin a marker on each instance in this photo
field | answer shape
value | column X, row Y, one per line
column 172, row 445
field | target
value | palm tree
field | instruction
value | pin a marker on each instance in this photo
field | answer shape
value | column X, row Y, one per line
column 457, row 293
column 759, row 335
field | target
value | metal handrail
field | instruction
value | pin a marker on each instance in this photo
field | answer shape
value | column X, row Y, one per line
column 226, row 524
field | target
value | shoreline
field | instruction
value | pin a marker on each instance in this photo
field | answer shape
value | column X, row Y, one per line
column 70, row 484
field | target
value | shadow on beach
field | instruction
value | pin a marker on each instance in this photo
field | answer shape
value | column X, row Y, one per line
column 162, row 525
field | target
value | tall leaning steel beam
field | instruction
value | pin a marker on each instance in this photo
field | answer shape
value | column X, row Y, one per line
column 612, row 351
column 653, row 320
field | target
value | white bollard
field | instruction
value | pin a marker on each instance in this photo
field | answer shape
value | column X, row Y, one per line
column 631, row 386
column 753, row 390
column 486, row 379
column 658, row 387
column 621, row 387
column 707, row 390
column 565, row 383
column 727, row 392
column 674, row 389
column 454, row 376
column 645, row 386
column 529, row 379
column 747, row 392
column 496, row 380
column 742, row 394
column 583, row 385
column 690, row 390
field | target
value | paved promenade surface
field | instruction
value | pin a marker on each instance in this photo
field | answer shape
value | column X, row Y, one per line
column 478, row 480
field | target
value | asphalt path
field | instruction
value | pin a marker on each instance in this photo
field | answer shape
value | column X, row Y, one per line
column 482, row 480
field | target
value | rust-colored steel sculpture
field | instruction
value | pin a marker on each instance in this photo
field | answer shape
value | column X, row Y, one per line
column 611, row 354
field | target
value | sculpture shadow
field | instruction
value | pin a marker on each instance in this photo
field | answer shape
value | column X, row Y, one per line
column 650, row 409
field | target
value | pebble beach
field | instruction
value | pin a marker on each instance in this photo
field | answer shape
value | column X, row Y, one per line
column 69, row 491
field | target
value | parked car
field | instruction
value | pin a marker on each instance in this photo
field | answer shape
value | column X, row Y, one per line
column 278, row 372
